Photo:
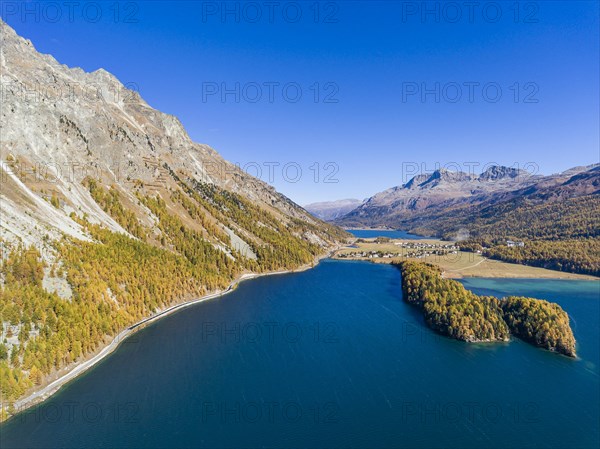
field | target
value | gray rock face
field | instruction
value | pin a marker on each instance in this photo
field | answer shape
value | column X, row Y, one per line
column 60, row 125
column 426, row 197
column 426, row 190
column 498, row 172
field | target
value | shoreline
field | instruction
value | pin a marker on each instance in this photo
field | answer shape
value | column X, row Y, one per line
column 388, row 230
column 561, row 276
column 448, row 274
column 54, row 386
column 484, row 267
column 79, row 368
column 370, row 229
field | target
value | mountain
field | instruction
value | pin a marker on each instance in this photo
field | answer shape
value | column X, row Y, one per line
column 332, row 210
column 441, row 188
column 555, row 218
column 61, row 126
column 111, row 213
column 556, row 207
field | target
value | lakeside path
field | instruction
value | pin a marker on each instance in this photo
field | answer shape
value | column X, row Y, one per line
column 48, row 390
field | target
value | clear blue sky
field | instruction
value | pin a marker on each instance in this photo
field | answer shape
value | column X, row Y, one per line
column 374, row 58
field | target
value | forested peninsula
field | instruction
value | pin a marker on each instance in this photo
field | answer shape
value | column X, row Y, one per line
column 452, row 310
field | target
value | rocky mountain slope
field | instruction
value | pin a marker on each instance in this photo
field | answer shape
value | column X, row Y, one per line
column 109, row 213
column 61, row 126
column 429, row 200
column 332, row 210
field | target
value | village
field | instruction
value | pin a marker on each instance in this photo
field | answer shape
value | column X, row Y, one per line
column 367, row 249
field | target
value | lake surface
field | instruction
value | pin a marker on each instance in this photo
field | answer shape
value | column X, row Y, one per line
column 393, row 234
column 331, row 357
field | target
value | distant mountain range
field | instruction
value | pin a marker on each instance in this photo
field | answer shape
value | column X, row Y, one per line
column 443, row 201
column 332, row 210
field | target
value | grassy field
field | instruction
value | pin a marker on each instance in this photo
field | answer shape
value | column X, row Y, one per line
column 461, row 264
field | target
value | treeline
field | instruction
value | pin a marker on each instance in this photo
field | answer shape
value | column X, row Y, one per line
column 117, row 280
column 188, row 242
column 573, row 218
column 573, row 256
column 559, row 235
column 110, row 202
column 276, row 244
column 519, row 218
column 452, row 310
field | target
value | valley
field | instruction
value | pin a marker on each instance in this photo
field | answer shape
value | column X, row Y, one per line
column 455, row 262
column 227, row 226
column 556, row 216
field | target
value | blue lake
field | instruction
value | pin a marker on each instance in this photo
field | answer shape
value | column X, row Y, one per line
column 330, row 357
column 393, row 234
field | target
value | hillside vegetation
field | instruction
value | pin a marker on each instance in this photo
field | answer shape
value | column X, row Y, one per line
column 117, row 279
column 540, row 322
column 452, row 310
column 561, row 235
